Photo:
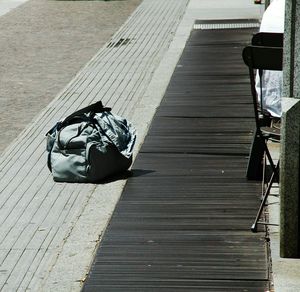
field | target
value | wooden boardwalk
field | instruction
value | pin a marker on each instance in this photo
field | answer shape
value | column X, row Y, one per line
column 183, row 220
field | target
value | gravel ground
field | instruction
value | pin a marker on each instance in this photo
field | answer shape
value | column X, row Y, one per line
column 43, row 44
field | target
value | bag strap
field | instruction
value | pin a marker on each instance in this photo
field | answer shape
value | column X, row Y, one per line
column 93, row 108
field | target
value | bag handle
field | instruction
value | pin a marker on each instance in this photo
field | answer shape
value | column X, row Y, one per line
column 93, row 108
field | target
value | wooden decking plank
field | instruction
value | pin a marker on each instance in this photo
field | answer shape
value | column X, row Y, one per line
column 165, row 126
column 205, row 112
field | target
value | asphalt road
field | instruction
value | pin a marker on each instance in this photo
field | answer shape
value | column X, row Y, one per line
column 43, row 44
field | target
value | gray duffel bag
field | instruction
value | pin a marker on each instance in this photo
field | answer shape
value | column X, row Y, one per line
column 90, row 145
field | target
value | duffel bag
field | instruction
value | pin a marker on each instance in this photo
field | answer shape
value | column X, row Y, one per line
column 90, row 145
